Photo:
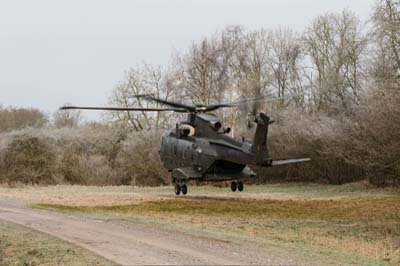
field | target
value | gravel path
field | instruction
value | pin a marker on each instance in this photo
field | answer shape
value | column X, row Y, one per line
column 138, row 244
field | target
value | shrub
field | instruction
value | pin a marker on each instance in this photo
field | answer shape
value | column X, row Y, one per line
column 77, row 167
column 139, row 160
column 296, row 134
column 18, row 118
column 30, row 160
column 375, row 136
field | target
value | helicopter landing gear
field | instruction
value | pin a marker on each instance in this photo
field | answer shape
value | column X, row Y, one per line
column 184, row 189
column 234, row 186
column 177, row 189
column 240, row 186
column 237, row 186
column 181, row 188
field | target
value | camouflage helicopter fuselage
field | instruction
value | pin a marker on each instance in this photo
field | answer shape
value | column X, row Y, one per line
column 200, row 149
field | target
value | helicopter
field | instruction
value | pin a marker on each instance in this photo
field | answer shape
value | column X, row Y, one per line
column 200, row 147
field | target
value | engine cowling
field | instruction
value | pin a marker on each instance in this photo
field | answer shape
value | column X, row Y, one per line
column 216, row 125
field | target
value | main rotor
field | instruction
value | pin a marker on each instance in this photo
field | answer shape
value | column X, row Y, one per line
column 179, row 107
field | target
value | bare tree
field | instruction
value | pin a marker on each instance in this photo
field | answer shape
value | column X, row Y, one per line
column 284, row 60
column 143, row 79
column 232, row 45
column 255, row 63
column 18, row 118
column 67, row 118
column 335, row 43
column 201, row 72
column 386, row 19
column 378, row 143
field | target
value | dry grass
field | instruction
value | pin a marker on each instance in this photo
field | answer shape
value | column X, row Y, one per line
column 365, row 227
column 124, row 195
column 22, row 246
column 355, row 219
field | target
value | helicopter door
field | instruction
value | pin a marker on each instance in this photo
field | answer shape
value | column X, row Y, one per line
column 183, row 153
column 187, row 154
column 196, row 154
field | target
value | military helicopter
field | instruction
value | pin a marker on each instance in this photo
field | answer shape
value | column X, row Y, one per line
column 200, row 147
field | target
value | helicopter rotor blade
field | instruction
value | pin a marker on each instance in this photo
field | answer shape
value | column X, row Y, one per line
column 255, row 100
column 179, row 110
column 142, row 95
column 150, row 97
column 263, row 99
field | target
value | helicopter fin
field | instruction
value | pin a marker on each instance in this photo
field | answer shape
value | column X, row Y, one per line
column 259, row 147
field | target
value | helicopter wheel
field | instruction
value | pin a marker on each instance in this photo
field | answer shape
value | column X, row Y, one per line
column 234, row 186
column 177, row 189
column 240, row 186
column 184, row 189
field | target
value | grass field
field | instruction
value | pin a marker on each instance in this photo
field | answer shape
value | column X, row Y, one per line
column 354, row 223
column 22, row 246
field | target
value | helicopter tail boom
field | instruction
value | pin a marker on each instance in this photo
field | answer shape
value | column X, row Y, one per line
column 290, row 161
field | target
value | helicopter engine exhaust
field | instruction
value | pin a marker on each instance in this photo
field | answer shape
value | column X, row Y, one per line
column 216, row 125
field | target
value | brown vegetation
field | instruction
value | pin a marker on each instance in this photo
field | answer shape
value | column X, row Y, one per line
column 18, row 118
column 90, row 155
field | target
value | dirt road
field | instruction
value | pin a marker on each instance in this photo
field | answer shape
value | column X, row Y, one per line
column 135, row 244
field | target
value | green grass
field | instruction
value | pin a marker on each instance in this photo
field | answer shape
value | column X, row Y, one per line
column 22, row 246
column 283, row 191
column 315, row 191
column 355, row 223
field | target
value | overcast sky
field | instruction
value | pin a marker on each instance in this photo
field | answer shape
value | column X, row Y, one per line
column 75, row 51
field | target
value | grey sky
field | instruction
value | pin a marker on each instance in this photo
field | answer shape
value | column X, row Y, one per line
column 52, row 52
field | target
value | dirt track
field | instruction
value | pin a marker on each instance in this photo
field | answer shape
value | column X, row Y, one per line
column 135, row 244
